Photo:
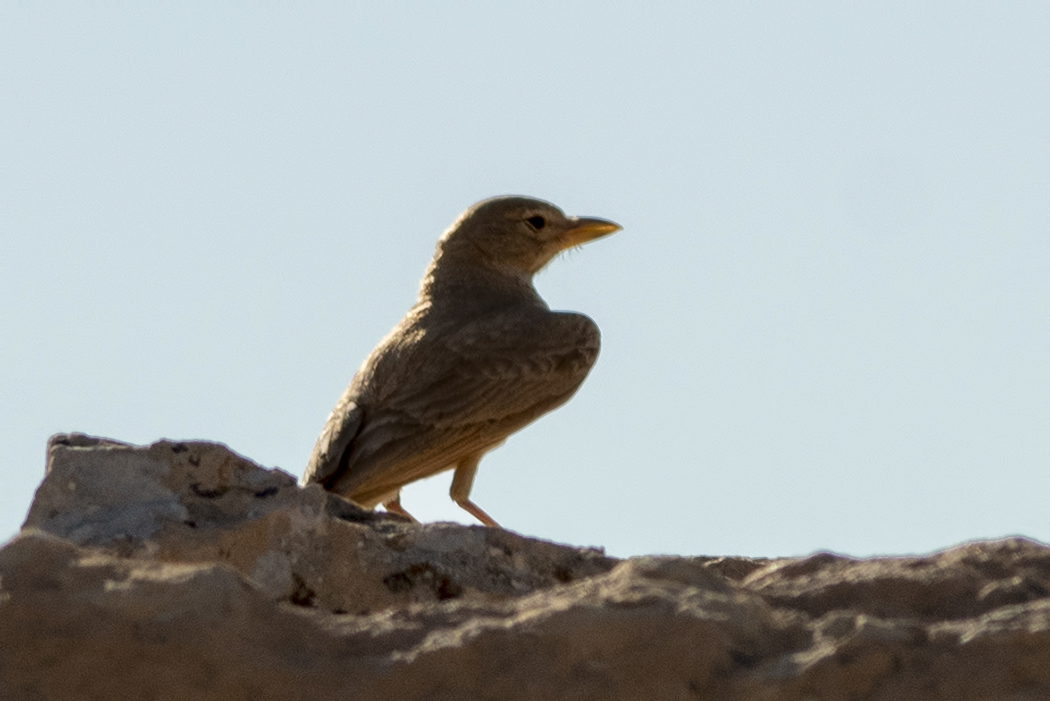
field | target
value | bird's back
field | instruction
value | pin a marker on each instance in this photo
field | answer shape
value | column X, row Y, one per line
column 440, row 387
column 479, row 357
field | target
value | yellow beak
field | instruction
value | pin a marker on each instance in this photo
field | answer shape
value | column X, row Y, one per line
column 586, row 229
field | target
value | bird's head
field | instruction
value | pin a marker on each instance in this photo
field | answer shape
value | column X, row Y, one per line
column 517, row 235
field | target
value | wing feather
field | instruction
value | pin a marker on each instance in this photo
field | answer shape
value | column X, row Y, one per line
column 448, row 394
column 338, row 432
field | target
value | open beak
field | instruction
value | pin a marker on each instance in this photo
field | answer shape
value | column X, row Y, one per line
column 586, row 229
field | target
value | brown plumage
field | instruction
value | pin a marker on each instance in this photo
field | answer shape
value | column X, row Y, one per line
column 478, row 357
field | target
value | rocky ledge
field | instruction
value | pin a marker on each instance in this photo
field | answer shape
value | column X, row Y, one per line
column 185, row 571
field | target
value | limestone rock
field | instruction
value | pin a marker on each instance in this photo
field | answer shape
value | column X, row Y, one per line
column 201, row 502
column 185, row 571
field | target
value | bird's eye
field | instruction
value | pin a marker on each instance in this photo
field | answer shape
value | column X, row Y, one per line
column 537, row 222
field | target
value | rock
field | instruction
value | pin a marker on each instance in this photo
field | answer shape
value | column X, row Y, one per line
column 201, row 502
column 185, row 571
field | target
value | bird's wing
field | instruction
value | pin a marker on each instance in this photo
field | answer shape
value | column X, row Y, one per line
column 338, row 432
column 500, row 367
column 466, row 390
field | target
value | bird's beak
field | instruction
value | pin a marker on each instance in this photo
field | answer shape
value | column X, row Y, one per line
column 586, row 229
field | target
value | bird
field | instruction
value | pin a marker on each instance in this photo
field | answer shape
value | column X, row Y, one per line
column 478, row 356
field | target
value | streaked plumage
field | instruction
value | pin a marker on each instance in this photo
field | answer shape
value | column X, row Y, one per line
column 478, row 357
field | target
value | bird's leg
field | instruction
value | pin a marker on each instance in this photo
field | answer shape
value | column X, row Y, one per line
column 394, row 507
column 462, row 481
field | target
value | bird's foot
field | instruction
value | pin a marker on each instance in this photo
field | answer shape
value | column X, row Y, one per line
column 478, row 513
column 394, row 507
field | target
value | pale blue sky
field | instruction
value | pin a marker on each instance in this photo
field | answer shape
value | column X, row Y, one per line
column 826, row 323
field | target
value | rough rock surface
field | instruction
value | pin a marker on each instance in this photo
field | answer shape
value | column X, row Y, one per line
column 185, row 571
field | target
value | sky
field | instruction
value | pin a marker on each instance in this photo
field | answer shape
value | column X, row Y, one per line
column 825, row 323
